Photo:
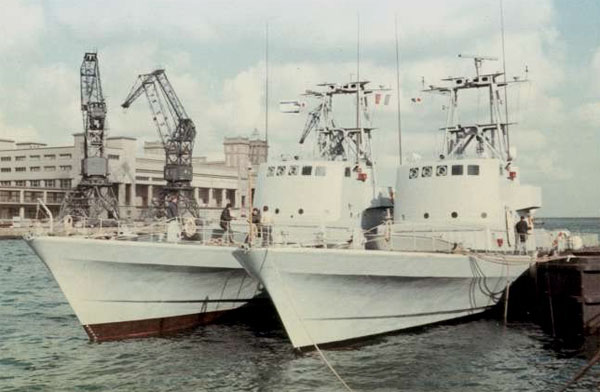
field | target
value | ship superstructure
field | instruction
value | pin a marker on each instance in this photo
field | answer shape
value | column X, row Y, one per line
column 337, row 185
column 471, row 196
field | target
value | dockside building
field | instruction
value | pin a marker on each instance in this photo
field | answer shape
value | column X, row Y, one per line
column 30, row 171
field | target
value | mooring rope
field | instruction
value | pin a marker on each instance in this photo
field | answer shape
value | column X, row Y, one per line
column 582, row 372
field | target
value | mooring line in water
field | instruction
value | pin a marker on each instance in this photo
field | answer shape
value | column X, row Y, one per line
column 289, row 297
column 582, row 372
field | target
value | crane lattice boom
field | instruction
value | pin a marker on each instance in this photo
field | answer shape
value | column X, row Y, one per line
column 176, row 130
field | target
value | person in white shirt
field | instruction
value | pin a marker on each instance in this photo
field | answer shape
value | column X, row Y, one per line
column 266, row 223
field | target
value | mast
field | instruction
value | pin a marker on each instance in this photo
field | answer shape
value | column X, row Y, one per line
column 359, row 134
column 398, row 90
column 267, row 82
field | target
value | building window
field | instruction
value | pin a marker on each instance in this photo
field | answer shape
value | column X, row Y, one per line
column 35, row 183
column 306, row 170
column 9, row 196
column 65, row 156
column 34, row 168
column 65, row 184
column 4, row 183
column 157, row 179
column 5, row 170
column 31, row 197
column 5, row 159
column 50, row 157
column 320, row 171
column 20, row 158
column 142, row 178
column 426, row 171
column 49, row 183
column 49, row 168
column 20, row 183
column 20, row 169
column 457, row 170
column 293, row 171
column 473, row 170
column 65, row 167
column 280, row 170
column 113, row 157
column 270, row 171
column 34, row 157
column 347, row 172
column 55, row 197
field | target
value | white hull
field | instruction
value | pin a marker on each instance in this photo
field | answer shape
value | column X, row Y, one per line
column 122, row 289
column 327, row 296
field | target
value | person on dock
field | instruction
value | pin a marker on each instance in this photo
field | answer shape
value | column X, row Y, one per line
column 522, row 229
column 266, row 223
column 225, row 223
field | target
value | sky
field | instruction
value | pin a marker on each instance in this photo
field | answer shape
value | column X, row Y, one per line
column 214, row 55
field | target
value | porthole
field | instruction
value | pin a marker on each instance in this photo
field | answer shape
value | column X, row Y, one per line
column 413, row 173
column 277, row 210
column 426, row 171
column 300, row 211
column 426, row 215
column 454, row 214
column 441, row 170
column 484, row 215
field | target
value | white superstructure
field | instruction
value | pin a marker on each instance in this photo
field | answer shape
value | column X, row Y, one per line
column 446, row 254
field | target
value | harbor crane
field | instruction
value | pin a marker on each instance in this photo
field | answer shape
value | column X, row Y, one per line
column 177, row 133
column 93, row 197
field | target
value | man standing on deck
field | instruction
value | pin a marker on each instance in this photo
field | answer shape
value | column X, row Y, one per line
column 522, row 228
column 225, row 223
column 266, row 223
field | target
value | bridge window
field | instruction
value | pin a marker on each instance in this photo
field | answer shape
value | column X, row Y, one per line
column 457, row 170
column 426, row 171
column 280, row 170
column 473, row 170
column 270, row 171
column 320, row 171
column 414, row 172
column 306, row 170
column 293, row 171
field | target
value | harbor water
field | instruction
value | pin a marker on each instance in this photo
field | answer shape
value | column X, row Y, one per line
column 43, row 348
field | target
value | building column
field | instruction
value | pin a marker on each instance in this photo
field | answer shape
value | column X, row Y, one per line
column 45, row 197
column 223, row 197
column 211, row 197
column 196, row 195
column 132, row 195
column 121, row 195
column 22, row 212
column 149, row 196
column 21, row 196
